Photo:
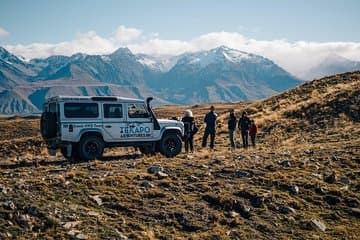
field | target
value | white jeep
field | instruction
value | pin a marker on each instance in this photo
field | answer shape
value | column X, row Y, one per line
column 81, row 127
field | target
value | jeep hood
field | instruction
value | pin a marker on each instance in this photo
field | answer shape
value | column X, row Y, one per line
column 167, row 122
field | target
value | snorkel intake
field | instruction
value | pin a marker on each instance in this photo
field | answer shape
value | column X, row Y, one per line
column 156, row 123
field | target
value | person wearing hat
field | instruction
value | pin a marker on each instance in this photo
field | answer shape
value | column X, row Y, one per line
column 244, row 125
column 210, row 129
column 189, row 130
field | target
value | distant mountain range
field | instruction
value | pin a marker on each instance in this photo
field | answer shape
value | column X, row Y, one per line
column 218, row 75
column 330, row 65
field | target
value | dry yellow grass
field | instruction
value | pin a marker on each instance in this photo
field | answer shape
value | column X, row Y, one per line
column 225, row 194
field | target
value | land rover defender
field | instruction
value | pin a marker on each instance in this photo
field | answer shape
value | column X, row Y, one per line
column 82, row 126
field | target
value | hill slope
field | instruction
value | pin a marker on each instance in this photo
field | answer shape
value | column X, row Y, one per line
column 301, row 182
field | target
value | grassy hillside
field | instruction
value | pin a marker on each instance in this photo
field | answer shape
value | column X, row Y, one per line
column 301, row 182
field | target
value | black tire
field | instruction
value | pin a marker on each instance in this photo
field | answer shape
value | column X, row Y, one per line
column 90, row 148
column 48, row 125
column 170, row 145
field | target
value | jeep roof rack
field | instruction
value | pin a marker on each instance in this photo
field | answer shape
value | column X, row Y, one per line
column 92, row 98
column 104, row 98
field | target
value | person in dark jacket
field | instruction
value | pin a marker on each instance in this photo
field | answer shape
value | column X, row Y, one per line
column 253, row 132
column 244, row 125
column 189, row 130
column 232, row 126
column 210, row 129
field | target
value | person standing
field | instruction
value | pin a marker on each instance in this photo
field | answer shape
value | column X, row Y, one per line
column 244, row 125
column 210, row 129
column 189, row 130
column 253, row 132
column 232, row 126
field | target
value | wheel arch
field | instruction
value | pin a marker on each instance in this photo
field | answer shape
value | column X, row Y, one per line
column 92, row 132
column 171, row 130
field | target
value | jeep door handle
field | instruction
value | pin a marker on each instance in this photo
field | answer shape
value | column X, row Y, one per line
column 108, row 126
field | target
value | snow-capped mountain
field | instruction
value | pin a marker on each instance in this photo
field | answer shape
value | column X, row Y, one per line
column 157, row 63
column 13, row 70
column 330, row 65
column 9, row 58
column 220, row 74
column 217, row 55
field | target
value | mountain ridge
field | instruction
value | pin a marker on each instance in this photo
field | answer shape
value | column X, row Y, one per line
column 221, row 74
column 330, row 65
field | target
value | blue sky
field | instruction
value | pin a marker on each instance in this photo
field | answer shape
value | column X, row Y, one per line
column 295, row 34
column 53, row 21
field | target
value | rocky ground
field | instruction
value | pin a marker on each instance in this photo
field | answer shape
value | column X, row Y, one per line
column 301, row 182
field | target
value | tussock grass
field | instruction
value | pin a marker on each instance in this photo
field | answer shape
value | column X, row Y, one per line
column 207, row 194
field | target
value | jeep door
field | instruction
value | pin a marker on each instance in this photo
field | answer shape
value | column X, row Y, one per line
column 139, row 124
column 78, row 117
column 113, row 121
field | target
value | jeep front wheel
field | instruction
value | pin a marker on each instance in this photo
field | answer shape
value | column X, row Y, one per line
column 91, row 147
column 170, row 145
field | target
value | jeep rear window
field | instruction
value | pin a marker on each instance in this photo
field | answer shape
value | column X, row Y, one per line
column 113, row 111
column 81, row 110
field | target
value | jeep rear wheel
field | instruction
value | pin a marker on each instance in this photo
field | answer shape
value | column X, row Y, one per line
column 170, row 145
column 90, row 148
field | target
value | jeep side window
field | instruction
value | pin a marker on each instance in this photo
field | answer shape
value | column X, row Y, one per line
column 113, row 111
column 137, row 110
column 81, row 110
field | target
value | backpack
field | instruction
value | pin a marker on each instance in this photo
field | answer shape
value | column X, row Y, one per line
column 190, row 129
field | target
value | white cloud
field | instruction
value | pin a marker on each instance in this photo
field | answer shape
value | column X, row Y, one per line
column 124, row 34
column 296, row 57
column 3, row 33
column 89, row 43
column 158, row 46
